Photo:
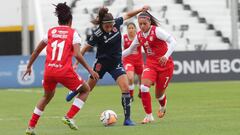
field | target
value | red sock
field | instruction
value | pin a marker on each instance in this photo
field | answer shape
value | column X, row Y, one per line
column 76, row 106
column 162, row 101
column 35, row 116
column 131, row 92
column 146, row 101
column 73, row 111
column 34, row 120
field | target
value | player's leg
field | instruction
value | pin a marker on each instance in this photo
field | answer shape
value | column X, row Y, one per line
column 75, row 83
column 122, row 82
column 98, row 67
column 139, row 85
column 82, row 96
column 148, row 79
column 49, row 86
column 130, row 74
column 138, row 69
column 162, row 82
column 120, row 77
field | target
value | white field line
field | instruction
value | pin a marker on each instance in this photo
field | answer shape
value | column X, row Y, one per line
column 25, row 90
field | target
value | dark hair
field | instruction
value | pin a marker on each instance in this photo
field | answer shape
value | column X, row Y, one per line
column 63, row 12
column 147, row 15
column 131, row 23
column 103, row 16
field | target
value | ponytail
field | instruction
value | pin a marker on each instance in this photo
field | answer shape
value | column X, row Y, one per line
column 103, row 17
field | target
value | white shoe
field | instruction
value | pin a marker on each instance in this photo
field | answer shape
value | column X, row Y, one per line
column 148, row 119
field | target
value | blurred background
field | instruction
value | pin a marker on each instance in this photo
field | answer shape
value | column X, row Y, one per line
column 206, row 32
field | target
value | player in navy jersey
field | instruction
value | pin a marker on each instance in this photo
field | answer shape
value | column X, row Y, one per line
column 107, row 39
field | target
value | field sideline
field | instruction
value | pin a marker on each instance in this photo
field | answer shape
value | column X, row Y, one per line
column 204, row 108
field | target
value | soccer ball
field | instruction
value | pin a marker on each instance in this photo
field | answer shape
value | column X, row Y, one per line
column 108, row 118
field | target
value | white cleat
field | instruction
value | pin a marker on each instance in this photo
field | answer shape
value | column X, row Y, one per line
column 148, row 119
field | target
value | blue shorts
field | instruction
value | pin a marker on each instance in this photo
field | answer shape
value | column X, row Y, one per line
column 115, row 70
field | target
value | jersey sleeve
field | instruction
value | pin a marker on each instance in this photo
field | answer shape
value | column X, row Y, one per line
column 169, row 39
column 92, row 40
column 119, row 21
column 45, row 38
column 76, row 38
column 131, row 48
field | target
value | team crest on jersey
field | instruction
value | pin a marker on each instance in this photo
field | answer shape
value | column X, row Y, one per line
column 126, row 39
column 115, row 29
column 151, row 38
column 98, row 67
column 53, row 31
column 29, row 79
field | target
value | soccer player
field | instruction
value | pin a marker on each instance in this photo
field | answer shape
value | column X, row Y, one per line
column 133, row 64
column 62, row 44
column 158, row 46
column 107, row 39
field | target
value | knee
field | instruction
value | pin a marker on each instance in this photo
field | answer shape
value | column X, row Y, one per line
column 131, row 79
column 86, row 88
column 144, row 88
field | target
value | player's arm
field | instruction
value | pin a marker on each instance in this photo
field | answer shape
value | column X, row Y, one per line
column 33, row 57
column 171, row 42
column 80, row 59
column 83, row 50
column 135, row 12
column 131, row 48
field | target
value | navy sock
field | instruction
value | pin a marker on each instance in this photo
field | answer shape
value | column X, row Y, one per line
column 126, row 103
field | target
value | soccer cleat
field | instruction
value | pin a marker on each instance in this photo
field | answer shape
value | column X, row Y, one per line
column 148, row 119
column 128, row 122
column 161, row 112
column 30, row 131
column 71, row 95
column 70, row 123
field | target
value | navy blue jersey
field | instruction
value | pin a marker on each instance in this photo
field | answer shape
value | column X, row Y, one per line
column 108, row 45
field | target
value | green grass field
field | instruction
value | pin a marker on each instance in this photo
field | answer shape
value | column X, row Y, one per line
column 193, row 109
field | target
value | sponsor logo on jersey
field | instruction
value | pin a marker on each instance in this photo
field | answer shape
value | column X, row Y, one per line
column 105, row 37
column 53, row 31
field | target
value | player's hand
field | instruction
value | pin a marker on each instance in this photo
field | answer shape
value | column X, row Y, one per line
column 145, row 8
column 94, row 75
column 28, row 71
column 75, row 66
column 163, row 61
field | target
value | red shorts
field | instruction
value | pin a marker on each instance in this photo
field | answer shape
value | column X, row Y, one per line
column 72, row 83
column 161, row 78
column 136, row 68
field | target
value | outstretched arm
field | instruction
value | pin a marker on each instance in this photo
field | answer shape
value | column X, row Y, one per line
column 33, row 57
column 135, row 12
